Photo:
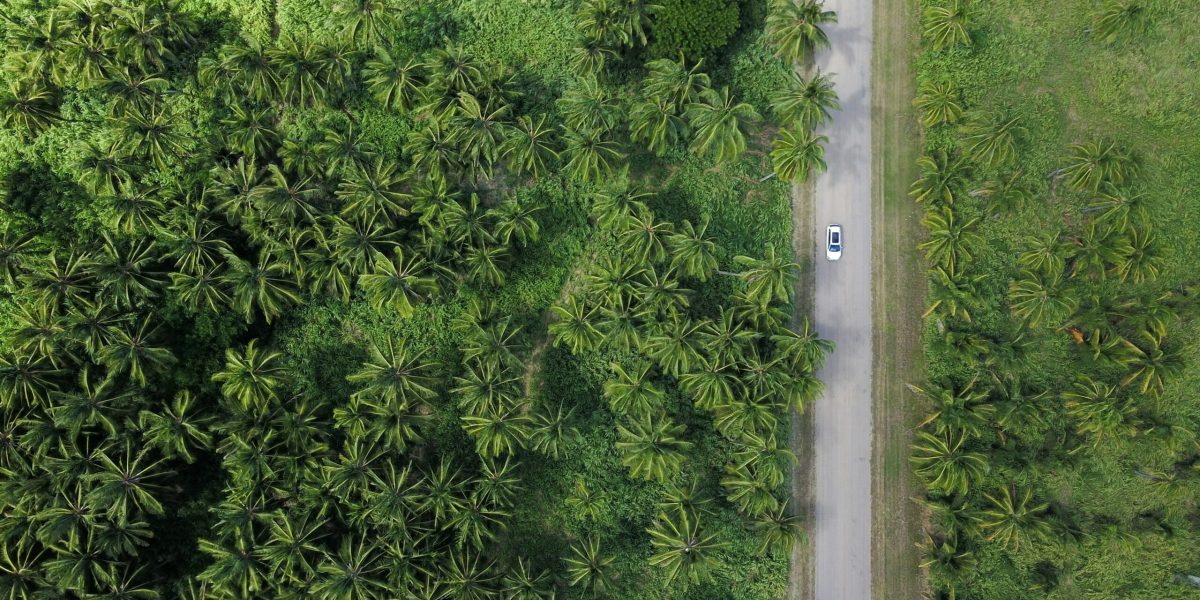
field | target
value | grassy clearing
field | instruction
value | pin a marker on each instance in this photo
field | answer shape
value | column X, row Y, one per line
column 1117, row 533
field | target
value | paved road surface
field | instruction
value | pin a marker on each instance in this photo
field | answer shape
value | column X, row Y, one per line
column 842, row 313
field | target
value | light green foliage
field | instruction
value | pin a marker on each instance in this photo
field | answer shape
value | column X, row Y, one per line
column 1074, row 152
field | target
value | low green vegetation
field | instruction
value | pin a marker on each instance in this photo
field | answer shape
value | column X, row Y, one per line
column 442, row 299
column 1060, row 454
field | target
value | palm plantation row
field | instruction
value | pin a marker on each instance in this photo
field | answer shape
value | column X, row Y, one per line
column 999, row 430
column 180, row 199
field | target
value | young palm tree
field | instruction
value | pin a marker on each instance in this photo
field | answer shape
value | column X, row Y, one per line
column 965, row 410
column 1013, row 519
column 719, row 124
column 993, row 142
column 652, row 449
column 1039, row 299
column 797, row 155
column 1006, row 193
column 523, row 583
column 681, row 548
column 588, row 567
column 939, row 102
column 1091, row 165
column 945, row 464
column 806, row 104
column 942, row 178
column 794, row 28
column 951, row 242
column 251, row 378
column 946, row 25
column 1120, row 21
column 1151, row 364
column 950, row 296
column 779, row 531
column 1047, row 256
column 1143, row 262
column 946, row 555
column 1099, row 412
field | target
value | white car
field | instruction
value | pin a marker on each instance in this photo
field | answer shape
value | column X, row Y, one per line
column 833, row 242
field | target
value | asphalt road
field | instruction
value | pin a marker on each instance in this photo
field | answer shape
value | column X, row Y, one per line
column 842, row 312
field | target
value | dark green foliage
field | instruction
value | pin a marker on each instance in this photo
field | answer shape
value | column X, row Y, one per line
column 696, row 28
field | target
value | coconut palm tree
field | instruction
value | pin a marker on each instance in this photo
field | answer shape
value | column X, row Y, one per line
column 575, row 326
column 681, row 548
column 656, row 123
column 769, row 278
column 806, row 104
column 951, row 242
column 497, row 433
column 946, row 465
column 394, row 373
column 794, row 28
column 29, row 108
column 176, row 429
column 749, row 491
column 1122, row 209
column 652, row 449
column 530, row 146
column 393, row 285
column 521, row 582
column 632, row 392
column 1013, row 519
column 957, row 409
column 674, row 83
column 1038, row 299
column 945, row 26
column 393, row 81
column 1120, row 21
column 550, row 432
column 718, row 124
column 588, row 106
column 797, row 155
column 946, row 554
column 692, row 252
column 369, row 23
column 1099, row 412
column 265, row 285
column 993, row 141
column 942, row 178
column 1091, row 165
column 591, row 155
column 132, row 351
column 252, row 378
column 588, row 567
column 939, row 102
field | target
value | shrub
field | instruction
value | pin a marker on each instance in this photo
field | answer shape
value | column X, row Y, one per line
column 697, row 28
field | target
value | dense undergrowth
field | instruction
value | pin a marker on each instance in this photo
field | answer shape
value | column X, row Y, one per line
column 331, row 299
column 1060, row 187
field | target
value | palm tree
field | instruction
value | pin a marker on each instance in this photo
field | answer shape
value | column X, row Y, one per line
column 681, row 548
column 778, row 531
column 591, row 155
column 652, row 449
column 806, row 104
column 251, row 130
column 480, row 129
column 951, row 242
column 674, row 84
column 964, row 410
column 693, row 253
column 1039, row 298
column 29, row 108
column 252, row 377
column 265, row 285
column 1093, row 164
column 530, row 146
column 656, row 123
column 395, row 284
column 939, row 102
column 550, row 432
column 947, row 467
column 176, row 429
column 749, row 490
column 352, row 572
column 1121, row 21
column 946, row 554
column 394, row 82
column 1123, row 210
column 523, row 583
column 946, row 25
column 369, row 23
column 132, row 351
column 797, row 155
column 1013, row 519
column 129, row 483
column 394, row 373
column 497, row 433
column 674, row 345
column 588, row 107
column 950, row 295
column 942, row 178
column 1143, row 262
column 588, row 567
column 794, row 28
column 993, row 142
column 718, row 124
column 575, row 326
column 1099, row 412
column 1100, row 249
column 374, row 191
column 633, row 393
column 466, row 579
column 1151, row 364
column 1005, row 193
column 769, row 278
column 1047, row 256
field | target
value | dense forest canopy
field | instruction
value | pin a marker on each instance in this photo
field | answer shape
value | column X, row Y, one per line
column 338, row 302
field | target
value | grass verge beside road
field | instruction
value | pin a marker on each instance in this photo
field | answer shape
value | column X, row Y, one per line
column 899, row 289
